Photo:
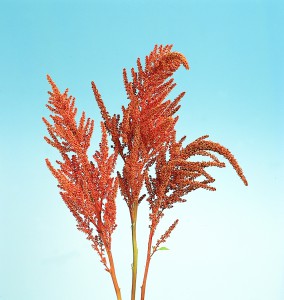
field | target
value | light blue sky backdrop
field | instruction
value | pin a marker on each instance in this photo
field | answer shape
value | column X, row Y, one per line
column 229, row 244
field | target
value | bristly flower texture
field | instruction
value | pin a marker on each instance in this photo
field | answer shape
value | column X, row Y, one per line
column 145, row 138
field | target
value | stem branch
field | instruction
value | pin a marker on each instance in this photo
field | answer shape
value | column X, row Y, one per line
column 135, row 253
column 148, row 259
column 113, row 275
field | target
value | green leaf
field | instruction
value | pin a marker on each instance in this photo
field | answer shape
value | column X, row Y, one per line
column 163, row 248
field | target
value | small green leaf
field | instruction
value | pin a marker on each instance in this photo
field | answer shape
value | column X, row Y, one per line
column 163, row 248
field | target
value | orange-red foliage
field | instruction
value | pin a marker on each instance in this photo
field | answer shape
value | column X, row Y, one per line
column 88, row 189
column 146, row 134
column 144, row 137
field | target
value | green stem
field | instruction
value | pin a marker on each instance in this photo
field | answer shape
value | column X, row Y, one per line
column 135, row 253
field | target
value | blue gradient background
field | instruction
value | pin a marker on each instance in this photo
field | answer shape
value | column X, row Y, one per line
column 229, row 244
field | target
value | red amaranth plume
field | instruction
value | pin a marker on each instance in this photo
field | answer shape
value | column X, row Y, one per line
column 87, row 188
column 144, row 136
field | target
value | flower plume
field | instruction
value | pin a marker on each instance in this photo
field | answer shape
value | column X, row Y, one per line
column 87, row 188
column 144, row 136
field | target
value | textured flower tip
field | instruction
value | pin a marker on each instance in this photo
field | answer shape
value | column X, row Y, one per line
column 49, row 79
column 180, row 57
column 244, row 180
column 53, row 85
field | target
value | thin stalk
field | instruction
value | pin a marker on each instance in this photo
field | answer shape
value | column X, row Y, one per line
column 135, row 253
column 148, row 259
column 113, row 275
